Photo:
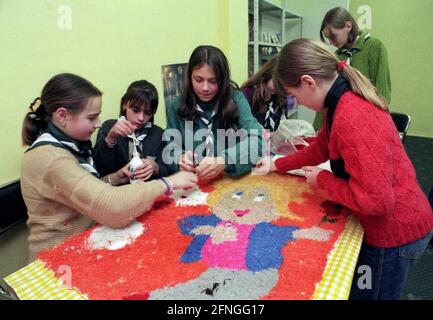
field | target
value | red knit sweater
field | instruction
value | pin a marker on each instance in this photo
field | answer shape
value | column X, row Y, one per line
column 382, row 190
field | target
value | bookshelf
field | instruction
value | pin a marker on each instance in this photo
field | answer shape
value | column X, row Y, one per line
column 270, row 27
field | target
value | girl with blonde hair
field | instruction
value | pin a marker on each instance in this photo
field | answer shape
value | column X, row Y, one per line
column 371, row 172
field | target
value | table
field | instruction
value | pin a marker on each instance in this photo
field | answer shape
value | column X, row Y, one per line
column 258, row 237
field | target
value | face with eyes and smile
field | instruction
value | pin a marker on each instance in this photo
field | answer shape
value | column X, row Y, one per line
column 246, row 207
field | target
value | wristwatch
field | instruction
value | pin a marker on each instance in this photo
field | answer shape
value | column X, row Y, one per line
column 169, row 186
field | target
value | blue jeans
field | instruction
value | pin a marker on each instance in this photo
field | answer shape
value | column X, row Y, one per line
column 381, row 273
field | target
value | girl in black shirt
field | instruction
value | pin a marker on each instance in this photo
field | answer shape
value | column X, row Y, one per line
column 114, row 149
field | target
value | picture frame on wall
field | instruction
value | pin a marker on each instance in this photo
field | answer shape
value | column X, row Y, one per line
column 173, row 79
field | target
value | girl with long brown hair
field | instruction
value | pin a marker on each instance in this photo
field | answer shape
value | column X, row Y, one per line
column 213, row 120
column 266, row 105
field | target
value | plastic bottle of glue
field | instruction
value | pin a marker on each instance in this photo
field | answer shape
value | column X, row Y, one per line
column 135, row 164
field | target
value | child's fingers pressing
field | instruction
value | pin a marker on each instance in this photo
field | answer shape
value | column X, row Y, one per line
column 186, row 167
column 145, row 171
column 146, row 176
column 205, row 171
column 259, row 164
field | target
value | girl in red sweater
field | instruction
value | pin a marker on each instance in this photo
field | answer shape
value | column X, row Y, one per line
column 371, row 172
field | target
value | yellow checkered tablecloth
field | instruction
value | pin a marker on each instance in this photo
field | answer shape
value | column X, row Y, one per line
column 340, row 267
column 36, row 282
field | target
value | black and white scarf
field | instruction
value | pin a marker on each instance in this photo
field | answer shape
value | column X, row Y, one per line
column 350, row 52
column 81, row 150
column 269, row 121
column 209, row 123
column 140, row 135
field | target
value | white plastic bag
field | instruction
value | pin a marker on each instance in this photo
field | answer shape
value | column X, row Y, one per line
column 290, row 133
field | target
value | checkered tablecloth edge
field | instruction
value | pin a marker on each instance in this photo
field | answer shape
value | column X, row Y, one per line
column 36, row 282
column 341, row 263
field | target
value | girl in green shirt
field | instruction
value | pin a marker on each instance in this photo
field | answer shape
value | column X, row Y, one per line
column 362, row 51
column 210, row 126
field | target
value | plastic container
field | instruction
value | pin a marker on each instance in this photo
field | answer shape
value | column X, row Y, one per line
column 135, row 164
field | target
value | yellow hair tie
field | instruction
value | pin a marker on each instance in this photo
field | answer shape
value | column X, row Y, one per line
column 34, row 106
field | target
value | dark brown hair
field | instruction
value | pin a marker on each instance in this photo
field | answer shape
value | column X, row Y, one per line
column 226, row 109
column 140, row 94
column 64, row 90
column 261, row 95
column 337, row 18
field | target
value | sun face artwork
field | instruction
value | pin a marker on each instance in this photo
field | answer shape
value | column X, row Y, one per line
column 257, row 237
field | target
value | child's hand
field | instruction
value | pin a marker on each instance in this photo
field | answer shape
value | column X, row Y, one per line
column 122, row 128
column 183, row 180
column 149, row 168
column 210, row 167
column 186, row 162
column 311, row 174
column 265, row 166
column 120, row 177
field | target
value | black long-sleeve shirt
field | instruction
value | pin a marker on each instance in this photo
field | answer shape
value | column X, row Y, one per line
column 108, row 160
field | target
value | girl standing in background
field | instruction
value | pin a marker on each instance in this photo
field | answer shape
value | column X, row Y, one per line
column 363, row 52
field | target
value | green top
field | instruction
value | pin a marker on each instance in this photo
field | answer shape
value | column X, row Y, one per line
column 240, row 150
column 371, row 59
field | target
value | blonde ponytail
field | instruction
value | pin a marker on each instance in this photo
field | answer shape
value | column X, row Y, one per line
column 310, row 57
column 362, row 87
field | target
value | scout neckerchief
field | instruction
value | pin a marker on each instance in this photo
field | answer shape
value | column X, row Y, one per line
column 209, row 123
column 269, row 115
column 273, row 114
column 140, row 135
column 350, row 52
column 81, row 150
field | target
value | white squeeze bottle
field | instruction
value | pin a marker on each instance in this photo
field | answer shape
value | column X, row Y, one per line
column 135, row 163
